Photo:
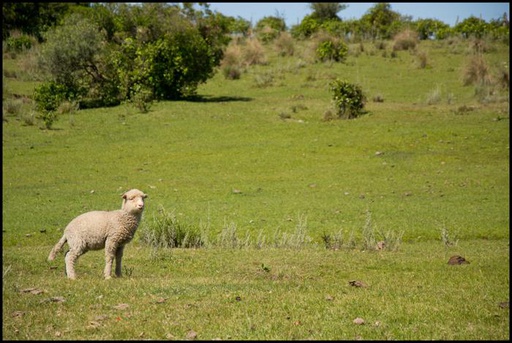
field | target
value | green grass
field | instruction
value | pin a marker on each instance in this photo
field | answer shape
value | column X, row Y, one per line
column 262, row 164
column 264, row 294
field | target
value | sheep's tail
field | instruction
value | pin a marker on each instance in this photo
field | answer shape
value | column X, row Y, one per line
column 57, row 248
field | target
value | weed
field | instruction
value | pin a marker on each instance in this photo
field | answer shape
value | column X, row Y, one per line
column 12, row 106
column 422, row 59
column 263, row 80
column 231, row 72
column 434, row 97
column 446, row 239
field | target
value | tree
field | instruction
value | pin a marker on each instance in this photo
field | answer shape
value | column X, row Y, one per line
column 324, row 11
column 33, row 18
column 268, row 28
column 380, row 18
column 429, row 28
column 120, row 52
column 472, row 27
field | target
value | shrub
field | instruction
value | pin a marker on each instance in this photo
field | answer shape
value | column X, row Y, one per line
column 231, row 72
column 284, row 44
column 330, row 49
column 12, row 106
column 348, row 99
column 254, row 53
column 268, row 28
column 476, row 71
column 422, row 59
column 142, row 98
column 50, row 95
column 19, row 43
column 405, row 40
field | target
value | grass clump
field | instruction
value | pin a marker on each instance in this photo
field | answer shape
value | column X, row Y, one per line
column 476, row 71
column 165, row 231
column 405, row 40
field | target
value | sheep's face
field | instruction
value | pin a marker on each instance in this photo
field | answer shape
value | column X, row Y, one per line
column 133, row 201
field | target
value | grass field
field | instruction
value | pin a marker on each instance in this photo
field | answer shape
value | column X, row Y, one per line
column 254, row 163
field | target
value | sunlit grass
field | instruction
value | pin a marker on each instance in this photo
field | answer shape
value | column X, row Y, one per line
column 262, row 179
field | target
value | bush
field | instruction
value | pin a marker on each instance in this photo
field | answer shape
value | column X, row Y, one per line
column 231, row 72
column 49, row 96
column 254, row 53
column 18, row 44
column 330, row 49
column 284, row 44
column 405, row 40
column 348, row 99
column 476, row 71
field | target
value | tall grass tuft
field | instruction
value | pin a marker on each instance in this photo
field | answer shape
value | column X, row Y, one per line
column 387, row 240
column 298, row 239
column 284, row 44
column 405, row 40
column 165, row 231
column 447, row 239
column 254, row 53
column 476, row 71
column 229, row 238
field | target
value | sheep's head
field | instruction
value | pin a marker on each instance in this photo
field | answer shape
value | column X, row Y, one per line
column 133, row 201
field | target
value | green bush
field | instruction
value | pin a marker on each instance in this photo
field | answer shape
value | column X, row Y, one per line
column 49, row 96
column 331, row 51
column 18, row 44
column 348, row 99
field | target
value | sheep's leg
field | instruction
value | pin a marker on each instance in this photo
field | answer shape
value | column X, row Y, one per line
column 119, row 257
column 70, row 259
column 110, row 253
column 109, row 259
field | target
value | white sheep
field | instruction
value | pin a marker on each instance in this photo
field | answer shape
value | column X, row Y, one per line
column 96, row 230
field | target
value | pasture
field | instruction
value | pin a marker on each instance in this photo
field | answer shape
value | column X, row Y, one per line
column 253, row 167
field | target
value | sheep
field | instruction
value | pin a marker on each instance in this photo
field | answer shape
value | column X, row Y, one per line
column 96, row 230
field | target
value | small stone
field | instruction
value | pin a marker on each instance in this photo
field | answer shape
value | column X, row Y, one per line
column 358, row 321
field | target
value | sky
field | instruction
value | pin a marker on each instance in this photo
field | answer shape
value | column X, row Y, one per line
column 448, row 12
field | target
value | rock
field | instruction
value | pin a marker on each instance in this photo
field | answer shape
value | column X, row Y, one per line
column 456, row 259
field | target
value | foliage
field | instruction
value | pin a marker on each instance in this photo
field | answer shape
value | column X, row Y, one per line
column 430, row 28
column 471, row 27
column 32, row 19
column 239, row 25
column 307, row 27
column 268, row 28
column 19, row 43
column 380, row 18
column 348, row 99
column 50, row 95
column 331, row 49
column 117, row 51
column 72, row 58
column 325, row 11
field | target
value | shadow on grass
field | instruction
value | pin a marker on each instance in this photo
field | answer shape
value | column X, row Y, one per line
column 209, row 98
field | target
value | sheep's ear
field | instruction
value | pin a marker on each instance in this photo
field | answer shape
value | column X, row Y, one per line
column 145, row 196
column 124, row 196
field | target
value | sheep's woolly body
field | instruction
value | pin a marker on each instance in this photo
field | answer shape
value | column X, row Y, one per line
column 96, row 230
